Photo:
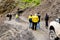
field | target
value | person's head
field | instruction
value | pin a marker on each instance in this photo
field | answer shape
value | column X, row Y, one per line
column 46, row 14
column 31, row 15
column 18, row 9
column 38, row 13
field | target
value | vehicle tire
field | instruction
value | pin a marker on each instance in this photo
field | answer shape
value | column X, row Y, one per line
column 51, row 35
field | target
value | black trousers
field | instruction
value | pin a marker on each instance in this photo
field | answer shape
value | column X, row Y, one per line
column 57, row 38
column 10, row 17
column 34, row 26
column 46, row 23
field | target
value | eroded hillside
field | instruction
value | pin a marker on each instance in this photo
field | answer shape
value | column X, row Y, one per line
column 7, row 6
column 13, row 30
column 52, row 7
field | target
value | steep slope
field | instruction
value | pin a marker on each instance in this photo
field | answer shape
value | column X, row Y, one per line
column 7, row 6
column 52, row 7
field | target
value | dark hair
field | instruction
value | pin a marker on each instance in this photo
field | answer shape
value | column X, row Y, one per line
column 31, row 15
column 38, row 13
column 18, row 9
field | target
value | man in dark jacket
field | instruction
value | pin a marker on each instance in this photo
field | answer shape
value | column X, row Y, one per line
column 46, row 20
column 38, row 24
column 38, row 14
column 19, row 11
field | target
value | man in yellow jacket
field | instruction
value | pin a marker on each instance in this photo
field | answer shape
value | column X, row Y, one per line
column 17, row 17
column 35, row 20
column 30, row 21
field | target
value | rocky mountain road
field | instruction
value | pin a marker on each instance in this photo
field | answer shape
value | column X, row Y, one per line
column 41, row 34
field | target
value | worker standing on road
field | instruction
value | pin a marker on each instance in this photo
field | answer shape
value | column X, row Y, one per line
column 38, row 24
column 19, row 12
column 35, row 20
column 30, row 21
column 10, row 16
column 17, row 17
column 46, row 20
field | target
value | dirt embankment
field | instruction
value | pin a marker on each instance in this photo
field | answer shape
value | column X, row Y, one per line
column 52, row 7
column 7, row 6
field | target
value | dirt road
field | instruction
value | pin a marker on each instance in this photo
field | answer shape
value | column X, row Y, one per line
column 41, row 34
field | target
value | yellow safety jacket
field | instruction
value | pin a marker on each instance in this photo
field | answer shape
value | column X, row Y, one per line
column 29, row 17
column 35, row 19
column 17, row 16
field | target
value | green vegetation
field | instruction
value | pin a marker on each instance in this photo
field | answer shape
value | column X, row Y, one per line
column 8, row 5
column 28, row 3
